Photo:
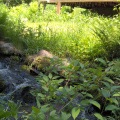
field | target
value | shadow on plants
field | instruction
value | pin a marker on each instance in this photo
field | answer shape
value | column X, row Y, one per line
column 108, row 35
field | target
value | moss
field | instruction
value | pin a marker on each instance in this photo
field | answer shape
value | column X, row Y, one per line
column 14, row 58
column 40, row 63
column 25, row 67
column 30, row 59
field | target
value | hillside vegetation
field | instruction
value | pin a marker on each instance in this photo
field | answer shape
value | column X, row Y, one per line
column 90, row 40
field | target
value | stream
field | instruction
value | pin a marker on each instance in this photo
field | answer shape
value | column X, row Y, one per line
column 16, row 83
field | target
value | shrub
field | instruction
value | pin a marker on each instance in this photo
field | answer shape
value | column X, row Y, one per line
column 3, row 19
column 109, row 37
column 90, row 85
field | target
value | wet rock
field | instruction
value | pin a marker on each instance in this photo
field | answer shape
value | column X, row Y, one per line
column 45, row 59
column 41, row 54
column 27, row 96
column 34, row 71
column 2, row 85
column 8, row 49
column 39, row 61
column 30, row 59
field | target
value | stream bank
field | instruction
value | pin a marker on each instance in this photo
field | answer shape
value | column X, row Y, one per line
column 16, row 83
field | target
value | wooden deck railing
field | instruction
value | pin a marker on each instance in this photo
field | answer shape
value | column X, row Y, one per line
column 64, row 1
column 81, row 3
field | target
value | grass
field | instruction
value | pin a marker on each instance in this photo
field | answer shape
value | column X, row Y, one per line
column 68, row 39
column 78, row 35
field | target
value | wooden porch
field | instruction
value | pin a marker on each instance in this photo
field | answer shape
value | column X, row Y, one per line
column 89, row 4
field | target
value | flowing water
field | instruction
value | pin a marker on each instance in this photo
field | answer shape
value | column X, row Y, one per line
column 15, row 83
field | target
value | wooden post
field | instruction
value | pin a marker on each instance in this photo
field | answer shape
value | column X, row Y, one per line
column 72, row 7
column 38, row 4
column 58, row 7
column 44, row 4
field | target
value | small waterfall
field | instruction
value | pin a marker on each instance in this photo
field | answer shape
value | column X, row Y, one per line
column 20, row 86
column 13, row 80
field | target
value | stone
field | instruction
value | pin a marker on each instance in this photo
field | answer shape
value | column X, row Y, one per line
column 38, row 61
column 44, row 53
column 44, row 59
column 2, row 85
column 8, row 49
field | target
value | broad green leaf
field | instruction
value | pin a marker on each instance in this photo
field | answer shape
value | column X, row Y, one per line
column 38, row 102
column 60, row 88
column 107, row 84
column 111, row 72
column 81, row 65
column 50, row 75
column 13, row 108
column 107, row 69
column 111, row 63
column 52, row 113
column 95, row 103
column 76, row 63
column 106, row 93
column 117, row 94
column 89, row 95
column 99, row 116
column 114, row 87
column 40, row 116
column 55, row 77
column 36, row 110
column 108, row 79
column 110, row 107
column 76, row 68
column 46, row 79
column 61, row 80
column 84, row 102
column 45, row 88
column 65, row 116
column 117, row 79
column 113, row 100
column 75, row 112
column 41, row 95
column 84, row 93
column 45, row 108
column 101, row 60
column 5, row 115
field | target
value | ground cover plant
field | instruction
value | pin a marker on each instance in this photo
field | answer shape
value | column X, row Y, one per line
column 80, row 35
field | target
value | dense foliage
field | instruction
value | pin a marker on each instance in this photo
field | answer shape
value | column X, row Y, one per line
column 79, row 35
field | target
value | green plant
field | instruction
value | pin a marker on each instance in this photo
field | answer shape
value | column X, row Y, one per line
column 44, row 99
column 96, row 87
column 109, row 41
column 3, row 19
column 8, row 110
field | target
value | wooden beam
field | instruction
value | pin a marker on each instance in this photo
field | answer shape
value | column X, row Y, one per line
column 58, row 7
column 55, row 1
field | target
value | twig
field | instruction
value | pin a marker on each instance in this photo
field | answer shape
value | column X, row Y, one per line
column 68, row 103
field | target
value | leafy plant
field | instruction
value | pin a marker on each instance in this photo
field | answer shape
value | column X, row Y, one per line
column 90, row 85
column 9, row 110
column 109, row 41
column 3, row 19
